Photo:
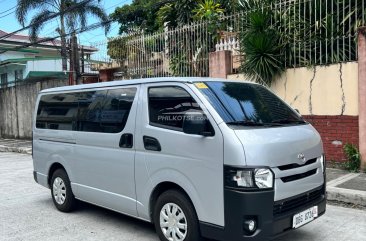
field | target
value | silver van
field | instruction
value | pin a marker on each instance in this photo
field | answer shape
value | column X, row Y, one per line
column 197, row 157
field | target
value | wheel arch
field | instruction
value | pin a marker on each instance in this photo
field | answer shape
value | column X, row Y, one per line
column 55, row 166
column 161, row 188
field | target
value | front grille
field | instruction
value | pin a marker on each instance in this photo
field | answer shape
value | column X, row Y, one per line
column 295, row 165
column 287, row 205
column 298, row 176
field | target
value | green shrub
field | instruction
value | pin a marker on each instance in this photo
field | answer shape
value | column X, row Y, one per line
column 353, row 158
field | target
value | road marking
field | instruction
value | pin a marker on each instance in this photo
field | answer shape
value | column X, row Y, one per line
column 342, row 179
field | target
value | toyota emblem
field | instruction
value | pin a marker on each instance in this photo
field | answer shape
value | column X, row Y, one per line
column 301, row 157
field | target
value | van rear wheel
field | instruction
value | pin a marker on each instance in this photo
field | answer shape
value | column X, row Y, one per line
column 175, row 218
column 61, row 192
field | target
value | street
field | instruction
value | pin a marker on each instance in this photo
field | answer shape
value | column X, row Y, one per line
column 27, row 213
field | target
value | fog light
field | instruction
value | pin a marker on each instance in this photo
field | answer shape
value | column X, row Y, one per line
column 250, row 226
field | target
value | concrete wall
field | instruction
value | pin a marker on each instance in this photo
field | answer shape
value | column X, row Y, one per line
column 330, row 90
column 17, row 107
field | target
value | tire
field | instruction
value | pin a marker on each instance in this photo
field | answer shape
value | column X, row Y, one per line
column 178, row 204
column 61, row 192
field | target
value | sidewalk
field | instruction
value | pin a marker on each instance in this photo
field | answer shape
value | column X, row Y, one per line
column 342, row 186
column 19, row 146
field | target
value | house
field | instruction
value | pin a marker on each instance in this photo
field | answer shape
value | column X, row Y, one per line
column 37, row 62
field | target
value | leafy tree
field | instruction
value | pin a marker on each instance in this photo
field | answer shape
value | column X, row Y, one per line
column 150, row 15
column 140, row 15
column 73, row 13
column 208, row 10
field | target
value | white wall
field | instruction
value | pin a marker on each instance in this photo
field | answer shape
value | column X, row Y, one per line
column 325, row 90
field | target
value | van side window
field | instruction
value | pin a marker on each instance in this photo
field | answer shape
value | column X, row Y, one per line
column 58, row 112
column 104, row 111
column 116, row 109
column 167, row 106
column 90, row 109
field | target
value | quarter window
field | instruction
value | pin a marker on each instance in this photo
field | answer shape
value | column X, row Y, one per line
column 103, row 111
column 58, row 112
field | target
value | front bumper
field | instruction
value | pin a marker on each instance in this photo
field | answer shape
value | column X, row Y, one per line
column 273, row 219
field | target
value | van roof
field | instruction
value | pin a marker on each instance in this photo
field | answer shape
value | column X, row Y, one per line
column 134, row 81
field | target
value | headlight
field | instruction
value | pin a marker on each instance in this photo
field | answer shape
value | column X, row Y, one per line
column 322, row 161
column 248, row 178
column 263, row 178
column 243, row 178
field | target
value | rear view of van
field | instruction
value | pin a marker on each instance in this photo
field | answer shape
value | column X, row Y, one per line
column 197, row 157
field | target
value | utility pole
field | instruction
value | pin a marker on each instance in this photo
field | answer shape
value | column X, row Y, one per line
column 82, row 60
column 71, row 73
column 76, row 58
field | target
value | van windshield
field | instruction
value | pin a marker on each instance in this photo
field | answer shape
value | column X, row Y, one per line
column 245, row 104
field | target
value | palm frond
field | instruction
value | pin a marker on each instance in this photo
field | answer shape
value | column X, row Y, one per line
column 98, row 12
column 24, row 7
column 38, row 24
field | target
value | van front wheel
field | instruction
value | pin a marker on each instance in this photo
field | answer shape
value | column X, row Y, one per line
column 175, row 218
column 61, row 192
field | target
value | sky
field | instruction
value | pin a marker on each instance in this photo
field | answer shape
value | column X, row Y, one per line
column 8, row 22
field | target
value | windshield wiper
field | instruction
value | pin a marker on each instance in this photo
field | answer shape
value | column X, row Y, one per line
column 245, row 123
column 287, row 121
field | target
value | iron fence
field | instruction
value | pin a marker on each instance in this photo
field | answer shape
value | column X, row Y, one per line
column 314, row 32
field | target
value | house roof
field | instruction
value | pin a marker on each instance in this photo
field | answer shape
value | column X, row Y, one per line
column 23, row 39
column 37, row 75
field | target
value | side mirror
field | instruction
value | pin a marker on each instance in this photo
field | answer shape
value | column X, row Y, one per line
column 196, row 123
column 297, row 110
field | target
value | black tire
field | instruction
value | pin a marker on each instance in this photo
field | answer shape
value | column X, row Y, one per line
column 181, row 200
column 69, row 202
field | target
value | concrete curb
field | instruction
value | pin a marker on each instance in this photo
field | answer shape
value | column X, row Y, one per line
column 351, row 196
column 16, row 149
column 346, row 195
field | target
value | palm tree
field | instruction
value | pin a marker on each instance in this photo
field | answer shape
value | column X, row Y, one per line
column 73, row 14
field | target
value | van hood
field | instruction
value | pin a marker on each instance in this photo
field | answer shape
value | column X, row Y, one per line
column 279, row 146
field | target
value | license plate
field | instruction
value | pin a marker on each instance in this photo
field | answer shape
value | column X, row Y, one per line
column 304, row 217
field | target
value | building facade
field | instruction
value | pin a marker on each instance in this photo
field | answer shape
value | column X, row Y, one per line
column 37, row 62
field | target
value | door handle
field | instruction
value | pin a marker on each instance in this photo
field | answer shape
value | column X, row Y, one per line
column 126, row 141
column 151, row 143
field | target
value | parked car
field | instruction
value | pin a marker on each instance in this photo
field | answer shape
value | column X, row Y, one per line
column 197, row 157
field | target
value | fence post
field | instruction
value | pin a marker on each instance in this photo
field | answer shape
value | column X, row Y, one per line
column 362, row 93
column 220, row 64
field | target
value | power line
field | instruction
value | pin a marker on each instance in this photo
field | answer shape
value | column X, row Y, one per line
column 97, row 35
column 117, row 4
column 8, row 10
column 7, row 14
column 52, row 16
column 80, row 30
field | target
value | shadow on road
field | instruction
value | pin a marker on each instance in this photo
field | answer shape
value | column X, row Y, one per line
column 119, row 219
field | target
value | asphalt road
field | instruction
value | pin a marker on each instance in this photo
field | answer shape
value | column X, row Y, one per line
column 27, row 213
